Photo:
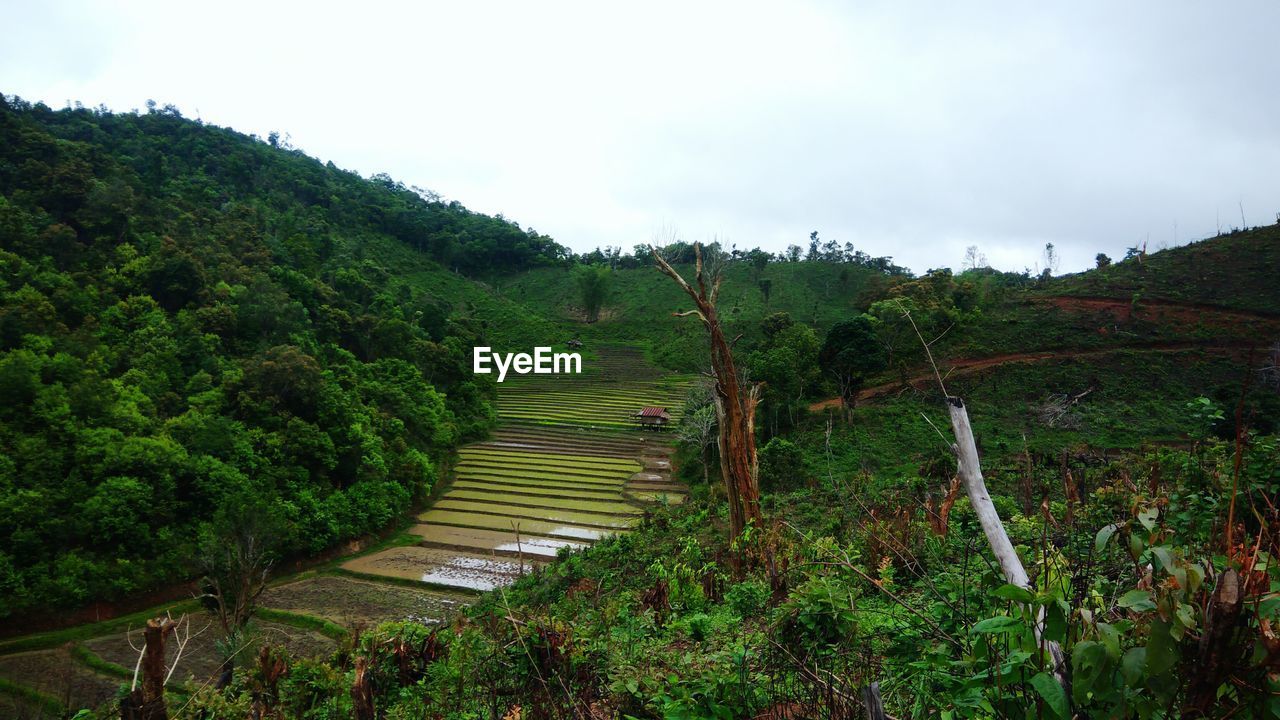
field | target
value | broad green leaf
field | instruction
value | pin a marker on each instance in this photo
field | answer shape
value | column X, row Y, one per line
column 1089, row 660
column 998, row 624
column 1164, row 556
column 1055, row 623
column 1195, row 576
column 1134, row 666
column 1136, row 545
column 1137, row 600
column 1055, row 698
column 1104, row 536
column 1162, row 649
column 1009, row 591
column 1110, row 637
column 1186, row 615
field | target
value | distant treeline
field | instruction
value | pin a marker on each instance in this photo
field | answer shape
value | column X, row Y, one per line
column 823, row 251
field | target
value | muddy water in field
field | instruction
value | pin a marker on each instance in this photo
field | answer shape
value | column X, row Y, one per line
column 440, row 567
column 351, row 603
column 512, row 525
column 485, row 542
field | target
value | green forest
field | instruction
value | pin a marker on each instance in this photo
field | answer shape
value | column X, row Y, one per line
column 196, row 325
column 233, row 378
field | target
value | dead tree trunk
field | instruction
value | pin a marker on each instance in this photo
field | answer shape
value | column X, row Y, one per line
column 147, row 702
column 970, row 471
column 1219, row 649
column 735, row 405
column 872, row 703
column 362, row 692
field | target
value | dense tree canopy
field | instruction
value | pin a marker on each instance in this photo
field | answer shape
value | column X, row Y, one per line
column 189, row 315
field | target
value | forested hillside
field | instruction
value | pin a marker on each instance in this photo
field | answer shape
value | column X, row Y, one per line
column 639, row 302
column 199, row 327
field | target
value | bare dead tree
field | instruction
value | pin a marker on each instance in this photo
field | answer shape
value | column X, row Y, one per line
column 147, row 702
column 1057, row 410
column 969, row 469
column 735, row 404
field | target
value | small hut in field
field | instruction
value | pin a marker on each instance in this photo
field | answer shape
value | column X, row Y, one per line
column 652, row 417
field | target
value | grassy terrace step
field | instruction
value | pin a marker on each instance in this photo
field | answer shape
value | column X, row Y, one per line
column 548, row 478
column 533, row 485
column 567, row 413
column 606, row 507
column 570, row 422
column 594, row 434
column 556, row 456
column 582, row 518
column 485, row 542
column 536, row 490
column 587, row 444
column 601, row 451
column 567, row 475
column 435, row 566
column 536, row 434
column 514, row 465
column 593, row 390
column 544, row 528
column 530, row 382
column 572, row 407
column 545, row 466
column 558, row 460
column 587, row 400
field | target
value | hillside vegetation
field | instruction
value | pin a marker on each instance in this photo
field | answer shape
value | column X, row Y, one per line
column 1236, row 270
column 640, row 302
column 205, row 336
column 198, row 326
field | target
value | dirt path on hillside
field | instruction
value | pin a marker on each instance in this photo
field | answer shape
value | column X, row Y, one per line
column 1168, row 310
column 1122, row 310
column 960, row 368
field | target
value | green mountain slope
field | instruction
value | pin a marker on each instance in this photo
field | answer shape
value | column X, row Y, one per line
column 1236, row 271
column 197, row 327
column 641, row 301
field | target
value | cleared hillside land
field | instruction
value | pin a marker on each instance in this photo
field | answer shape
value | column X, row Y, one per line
column 566, row 468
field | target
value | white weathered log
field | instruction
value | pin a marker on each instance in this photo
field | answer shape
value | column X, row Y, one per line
column 970, row 471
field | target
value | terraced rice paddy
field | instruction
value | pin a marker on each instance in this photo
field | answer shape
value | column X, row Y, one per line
column 354, row 603
column 566, row 468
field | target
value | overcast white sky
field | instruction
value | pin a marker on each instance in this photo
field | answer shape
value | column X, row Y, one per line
column 909, row 129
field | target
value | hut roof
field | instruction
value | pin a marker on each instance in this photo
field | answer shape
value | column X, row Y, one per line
column 652, row 411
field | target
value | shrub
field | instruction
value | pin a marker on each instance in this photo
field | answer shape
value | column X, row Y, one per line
column 782, row 466
column 747, row 598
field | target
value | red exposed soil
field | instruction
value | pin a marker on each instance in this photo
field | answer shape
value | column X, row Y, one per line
column 959, row 368
column 1164, row 311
